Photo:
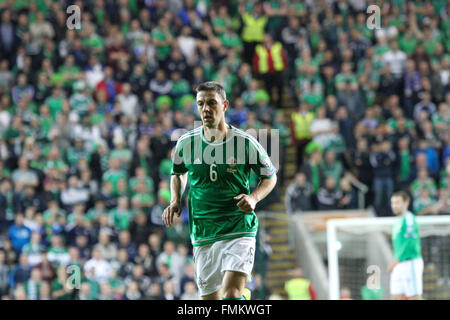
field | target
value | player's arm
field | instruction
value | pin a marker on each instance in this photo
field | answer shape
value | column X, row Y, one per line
column 247, row 202
column 392, row 265
column 177, row 186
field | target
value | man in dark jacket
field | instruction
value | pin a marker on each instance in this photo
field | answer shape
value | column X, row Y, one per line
column 328, row 195
column 298, row 194
column 382, row 161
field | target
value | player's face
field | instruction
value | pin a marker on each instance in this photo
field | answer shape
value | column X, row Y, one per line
column 211, row 108
column 398, row 205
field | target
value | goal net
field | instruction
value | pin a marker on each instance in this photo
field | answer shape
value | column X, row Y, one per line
column 360, row 251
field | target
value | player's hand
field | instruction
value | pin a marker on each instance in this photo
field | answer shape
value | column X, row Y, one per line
column 392, row 266
column 246, row 202
column 169, row 212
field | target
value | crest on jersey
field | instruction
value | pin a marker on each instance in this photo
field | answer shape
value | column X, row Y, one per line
column 201, row 283
column 231, row 162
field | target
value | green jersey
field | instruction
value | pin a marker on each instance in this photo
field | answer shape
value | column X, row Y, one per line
column 406, row 239
column 218, row 172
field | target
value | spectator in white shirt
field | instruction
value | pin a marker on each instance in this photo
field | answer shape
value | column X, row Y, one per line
column 396, row 59
column 97, row 268
column 128, row 102
column 74, row 194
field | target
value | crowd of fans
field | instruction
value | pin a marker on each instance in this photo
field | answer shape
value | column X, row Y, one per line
column 88, row 115
column 373, row 108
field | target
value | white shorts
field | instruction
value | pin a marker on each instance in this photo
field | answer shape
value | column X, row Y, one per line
column 406, row 278
column 211, row 262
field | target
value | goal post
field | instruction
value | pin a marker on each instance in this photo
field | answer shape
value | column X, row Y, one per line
column 359, row 251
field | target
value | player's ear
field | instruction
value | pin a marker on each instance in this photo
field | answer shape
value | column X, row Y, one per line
column 226, row 103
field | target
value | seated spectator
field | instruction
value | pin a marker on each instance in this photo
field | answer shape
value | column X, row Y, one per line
column 423, row 182
column 426, row 105
column 140, row 278
column 329, row 195
column 33, row 249
column 331, row 166
column 60, row 289
column 74, row 194
column 97, row 268
column 20, row 273
column 57, row 252
column 298, row 194
column 23, row 175
column 132, row 291
column 169, row 291
column 33, row 284
column 190, row 291
column 145, row 259
column 107, row 249
column 312, row 169
column 18, row 233
column 140, row 228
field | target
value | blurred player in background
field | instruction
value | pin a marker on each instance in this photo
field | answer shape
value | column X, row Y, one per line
column 407, row 268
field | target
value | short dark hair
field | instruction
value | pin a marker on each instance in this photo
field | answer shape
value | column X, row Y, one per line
column 212, row 86
column 402, row 194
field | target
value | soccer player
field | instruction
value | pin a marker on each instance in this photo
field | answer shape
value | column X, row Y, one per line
column 217, row 159
column 407, row 268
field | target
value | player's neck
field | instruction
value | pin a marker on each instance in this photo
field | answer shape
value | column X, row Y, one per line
column 216, row 134
column 403, row 213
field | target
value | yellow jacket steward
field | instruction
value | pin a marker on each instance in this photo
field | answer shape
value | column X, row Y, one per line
column 298, row 289
column 302, row 124
column 253, row 30
column 263, row 57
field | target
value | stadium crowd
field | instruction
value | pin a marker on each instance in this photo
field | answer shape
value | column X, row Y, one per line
column 88, row 116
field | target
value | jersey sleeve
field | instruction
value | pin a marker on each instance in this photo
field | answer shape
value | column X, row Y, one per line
column 410, row 226
column 260, row 161
column 178, row 164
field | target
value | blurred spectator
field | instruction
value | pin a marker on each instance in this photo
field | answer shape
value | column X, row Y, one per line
column 169, row 290
column 132, row 292
column 329, row 195
column 97, row 268
column 4, row 272
column 269, row 62
column 299, row 288
column 298, row 194
column 382, row 161
column 190, row 291
column 300, row 128
column 20, row 273
column 18, row 233
column 60, row 289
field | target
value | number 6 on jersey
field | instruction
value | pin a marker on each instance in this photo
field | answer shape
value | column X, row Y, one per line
column 212, row 172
